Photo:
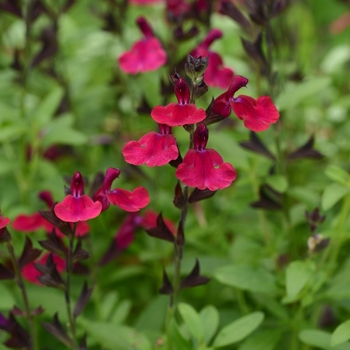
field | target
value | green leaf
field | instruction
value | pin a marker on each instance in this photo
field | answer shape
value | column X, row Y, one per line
column 108, row 304
column 121, row 312
column 238, row 330
column 338, row 175
column 264, row 340
column 298, row 274
column 177, row 340
column 11, row 131
column 210, row 321
column 341, row 333
column 192, row 320
column 7, row 300
column 320, row 339
column 115, row 337
column 278, row 182
column 152, row 317
column 46, row 109
column 244, row 277
column 332, row 194
column 296, row 93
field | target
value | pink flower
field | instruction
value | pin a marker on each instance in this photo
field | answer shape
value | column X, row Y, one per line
column 33, row 222
column 145, row 55
column 181, row 113
column 125, row 200
column 153, row 149
column 4, row 222
column 177, row 9
column 31, row 274
column 216, row 74
column 204, row 168
column 256, row 114
column 77, row 206
column 125, row 235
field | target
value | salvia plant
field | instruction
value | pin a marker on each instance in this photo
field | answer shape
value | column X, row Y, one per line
column 174, row 174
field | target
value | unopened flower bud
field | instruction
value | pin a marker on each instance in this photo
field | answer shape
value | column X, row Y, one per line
column 195, row 67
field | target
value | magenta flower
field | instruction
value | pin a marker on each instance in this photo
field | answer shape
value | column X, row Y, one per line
column 216, row 74
column 181, row 113
column 77, row 206
column 130, row 201
column 3, row 222
column 125, row 235
column 33, row 222
column 153, row 149
column 204, row 168
column 256, row 114
column 145, row 55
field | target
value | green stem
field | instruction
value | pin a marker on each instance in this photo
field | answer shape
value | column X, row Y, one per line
column 178, row 252
column 69, row 270
column 94, row 277
column 20, row 283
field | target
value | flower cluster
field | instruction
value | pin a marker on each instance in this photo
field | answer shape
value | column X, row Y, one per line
column 201, row 168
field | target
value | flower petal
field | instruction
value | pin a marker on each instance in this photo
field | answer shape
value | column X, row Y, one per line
column 129, row 201
column 257, row 114
column 205, row 169
column 145, row 55
column 153, row 149
column 216, row 74
column 177, row 115
column 73, row 209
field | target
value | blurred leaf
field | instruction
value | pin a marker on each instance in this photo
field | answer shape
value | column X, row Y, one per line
column 255, row 280
column 278, row 183
column 239, row 329
column 116, row 337
column 12, row 131
column 152, row 317
column 298, row 274
column 338, row 175
column 294, row 94
column 192, row 320
column 178, row 341
column 210, row 321
column 59, row 131
column 341, row 334
column 335, row 58
column 46, row 109
column 264, row 340
column 320, row 339
column 108, row 304
column 7, row 299
column 332, row 194
column 121, row 312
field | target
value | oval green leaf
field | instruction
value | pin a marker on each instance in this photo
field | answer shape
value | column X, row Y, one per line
column 192, row 320
column 239, row 329
column 341, row 333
